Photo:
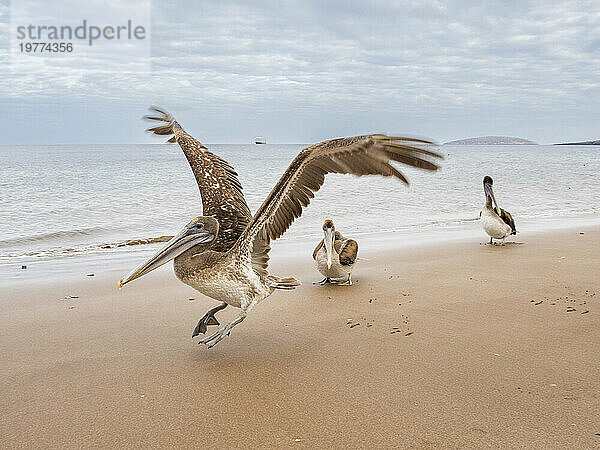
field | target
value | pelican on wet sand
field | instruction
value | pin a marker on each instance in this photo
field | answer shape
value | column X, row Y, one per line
column 335, row 256
column 496, row 222
column 224, row 253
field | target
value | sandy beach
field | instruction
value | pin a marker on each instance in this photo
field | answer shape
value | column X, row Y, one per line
column 443, row 345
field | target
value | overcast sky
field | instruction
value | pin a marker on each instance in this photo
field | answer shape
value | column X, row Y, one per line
column 303, row 71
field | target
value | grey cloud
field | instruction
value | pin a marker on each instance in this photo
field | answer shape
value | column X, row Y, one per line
column 311, row 70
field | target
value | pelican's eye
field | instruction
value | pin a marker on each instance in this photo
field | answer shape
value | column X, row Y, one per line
column 198, row 226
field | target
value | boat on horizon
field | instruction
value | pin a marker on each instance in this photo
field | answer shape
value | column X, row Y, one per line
column 260, row 140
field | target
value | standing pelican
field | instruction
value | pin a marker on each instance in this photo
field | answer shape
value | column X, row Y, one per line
column 335, row 256
column 224, row 254
column 496, row 222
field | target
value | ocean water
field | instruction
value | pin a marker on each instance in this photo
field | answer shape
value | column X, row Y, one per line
column 60, row 201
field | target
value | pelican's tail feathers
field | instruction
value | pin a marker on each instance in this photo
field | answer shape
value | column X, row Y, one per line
column 288, row 283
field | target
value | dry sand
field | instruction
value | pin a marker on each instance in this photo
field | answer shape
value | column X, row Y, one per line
column 453, row 345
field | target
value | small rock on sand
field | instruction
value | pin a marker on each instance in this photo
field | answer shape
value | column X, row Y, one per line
column 90, row 275
column 23, row 267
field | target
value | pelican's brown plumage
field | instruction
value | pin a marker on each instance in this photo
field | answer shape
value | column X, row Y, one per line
column 229, row 261
column 220, row 189
column 358, row 155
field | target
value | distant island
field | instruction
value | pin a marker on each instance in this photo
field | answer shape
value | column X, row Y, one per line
column 581, row 143
column 492, row 140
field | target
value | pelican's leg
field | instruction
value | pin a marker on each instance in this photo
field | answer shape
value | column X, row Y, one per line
column 323, row 281
column 211, row 341
column 208, row 319
column 491, row 242
column 503, row 239
column 347, row 282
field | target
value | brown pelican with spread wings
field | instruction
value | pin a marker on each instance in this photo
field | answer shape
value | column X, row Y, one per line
column 224, row 253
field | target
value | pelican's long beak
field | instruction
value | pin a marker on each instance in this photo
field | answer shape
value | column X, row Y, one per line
column 185, row 240
column 490, row 193
column 329, row 246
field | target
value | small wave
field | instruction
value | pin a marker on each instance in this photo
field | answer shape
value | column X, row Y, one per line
column 399, row 228
column 151, row 240
column 70, row 251
column 52, row 236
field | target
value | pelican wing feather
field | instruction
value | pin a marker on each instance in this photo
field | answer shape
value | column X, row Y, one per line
column 317, row 248
column 220, row 188
column 507, row 218
column 359, row 155
column 348, row 251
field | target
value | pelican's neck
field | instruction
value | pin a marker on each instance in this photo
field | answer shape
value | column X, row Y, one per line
column 196, row 258
column 488, row 202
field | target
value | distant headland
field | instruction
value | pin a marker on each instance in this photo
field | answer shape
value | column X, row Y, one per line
column 492, row 140
column 597, row 142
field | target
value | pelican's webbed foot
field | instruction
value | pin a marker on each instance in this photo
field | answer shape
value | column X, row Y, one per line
column 208, row 319
column 213, row 340
column 323, row 282
column 347, row 282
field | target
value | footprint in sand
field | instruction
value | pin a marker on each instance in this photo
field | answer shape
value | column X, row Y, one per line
column 354, row 323
column 403, row 328
column 573, row 301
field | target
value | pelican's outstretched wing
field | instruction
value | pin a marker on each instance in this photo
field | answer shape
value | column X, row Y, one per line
column 359, row 155
column 220, row 189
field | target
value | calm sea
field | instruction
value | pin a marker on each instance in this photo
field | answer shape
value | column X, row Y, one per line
column 68, row 200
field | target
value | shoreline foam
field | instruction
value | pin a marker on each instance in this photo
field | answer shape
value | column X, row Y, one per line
column 124, row 257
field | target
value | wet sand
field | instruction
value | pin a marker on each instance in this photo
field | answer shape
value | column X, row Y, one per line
column 450, row 345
